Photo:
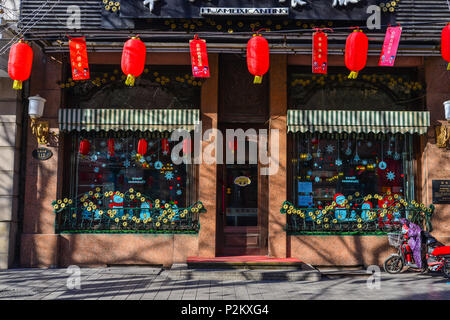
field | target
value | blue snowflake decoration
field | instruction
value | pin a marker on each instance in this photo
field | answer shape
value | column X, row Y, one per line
column 390, row 176
column 126, row 163
column 94, row 157
column 397, row 156
column 317, row 179
column 179, row 192
column 96, row 169
column 338, row 162
column 169, row 175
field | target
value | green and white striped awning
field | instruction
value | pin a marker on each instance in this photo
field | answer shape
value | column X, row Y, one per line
column 358, row 121
column 128, row 119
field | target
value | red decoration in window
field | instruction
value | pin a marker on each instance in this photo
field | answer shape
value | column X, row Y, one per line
column 111, row 147
column 79, row 59
column 142, row 147
column 258, row 57
column 19, row 64
column 199, row 58
column 356, row 48
column 445, row 44
column 84, row 147
column 320, row 51
column 133, row 59
column 187, row 146
column 165, row 145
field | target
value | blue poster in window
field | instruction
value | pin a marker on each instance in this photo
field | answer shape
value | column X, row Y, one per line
column 304, row 187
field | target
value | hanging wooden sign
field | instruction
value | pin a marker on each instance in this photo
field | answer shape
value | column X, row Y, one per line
column 199, row 58
column 320, row 52
column 390, row 46
column 79, row 59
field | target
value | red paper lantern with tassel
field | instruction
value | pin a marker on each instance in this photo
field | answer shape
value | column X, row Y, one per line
column 356, row 49
column 84, row 147
column 133, row 59
column 445, row 44
column 111, row 150
column 142, row 147
column 19, row 64
column 258, row 57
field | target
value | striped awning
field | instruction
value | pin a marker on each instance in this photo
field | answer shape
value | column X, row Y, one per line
column 128, row 119
column 358, row 121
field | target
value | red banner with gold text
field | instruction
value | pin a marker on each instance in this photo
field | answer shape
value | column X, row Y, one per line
column 79, row 59
column 320, row 52
column 199, row 58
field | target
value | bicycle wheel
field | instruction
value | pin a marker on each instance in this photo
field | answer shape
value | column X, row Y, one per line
column 393, row 264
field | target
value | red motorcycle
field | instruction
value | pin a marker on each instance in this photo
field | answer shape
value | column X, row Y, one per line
column 436, row 257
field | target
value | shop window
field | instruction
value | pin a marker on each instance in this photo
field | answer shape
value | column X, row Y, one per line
column 351, row 183
column 114, row 189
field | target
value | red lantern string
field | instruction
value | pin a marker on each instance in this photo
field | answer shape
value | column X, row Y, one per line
column 356, row 48
column 111, row 147
column 84, row 147
column 445, row 44
column 142, row 147
column 19, row 63
column 258, row 57
column 133, row 59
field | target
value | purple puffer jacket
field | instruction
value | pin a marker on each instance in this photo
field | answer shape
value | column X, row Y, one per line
column 414, row 240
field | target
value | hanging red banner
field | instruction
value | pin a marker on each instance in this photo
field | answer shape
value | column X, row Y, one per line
column 79, row 59
column 320, row 52
column 390, row 46
column 199, row 58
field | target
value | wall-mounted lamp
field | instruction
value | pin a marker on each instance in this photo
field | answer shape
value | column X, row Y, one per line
column 443, row 129
column 35, row 111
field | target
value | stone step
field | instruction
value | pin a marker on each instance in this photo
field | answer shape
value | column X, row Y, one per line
column 182, row 272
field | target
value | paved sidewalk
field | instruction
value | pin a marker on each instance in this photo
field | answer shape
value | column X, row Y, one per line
column 145, row 283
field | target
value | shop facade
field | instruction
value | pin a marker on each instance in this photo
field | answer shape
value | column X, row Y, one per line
column 352, row 157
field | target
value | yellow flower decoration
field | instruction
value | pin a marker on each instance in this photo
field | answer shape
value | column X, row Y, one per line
column 55, row 206
column 124, row 224
column 359, row 226
column 131, row 190
column 124, row 217
column 157, row 224
column 116, row 220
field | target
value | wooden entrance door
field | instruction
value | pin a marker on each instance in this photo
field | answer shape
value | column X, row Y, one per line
column 242, row 207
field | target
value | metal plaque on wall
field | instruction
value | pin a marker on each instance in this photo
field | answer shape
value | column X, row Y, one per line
column 42, row 154
column 441, row 191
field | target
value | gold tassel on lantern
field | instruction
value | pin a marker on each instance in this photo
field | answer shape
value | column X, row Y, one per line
column 258, row 79
column 353, row 75
column 130, row 80
column 17, row 85
column 448, row 66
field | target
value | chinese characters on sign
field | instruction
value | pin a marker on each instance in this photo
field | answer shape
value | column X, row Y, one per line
column 79, row 59
column 441, row 191
column 199, row 58
column 390, row 46
column 320, row 48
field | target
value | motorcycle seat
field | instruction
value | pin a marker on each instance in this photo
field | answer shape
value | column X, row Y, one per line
column 441, row 251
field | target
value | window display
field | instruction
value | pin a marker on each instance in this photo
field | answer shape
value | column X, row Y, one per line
column 127, row 181
column 350, row 180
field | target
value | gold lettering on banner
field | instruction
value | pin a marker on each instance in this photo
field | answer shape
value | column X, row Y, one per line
column 443, row 136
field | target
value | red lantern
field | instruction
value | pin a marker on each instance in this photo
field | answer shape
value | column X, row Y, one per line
column 111, row 147
column 356, row 49
column 84, row 147
column 133, row 59
column 445, row 44
column 165, row 145
column 142, row 147
column 258, row 57
column 19, row 64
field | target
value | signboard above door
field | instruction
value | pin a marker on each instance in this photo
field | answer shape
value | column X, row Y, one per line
column 348, row 10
